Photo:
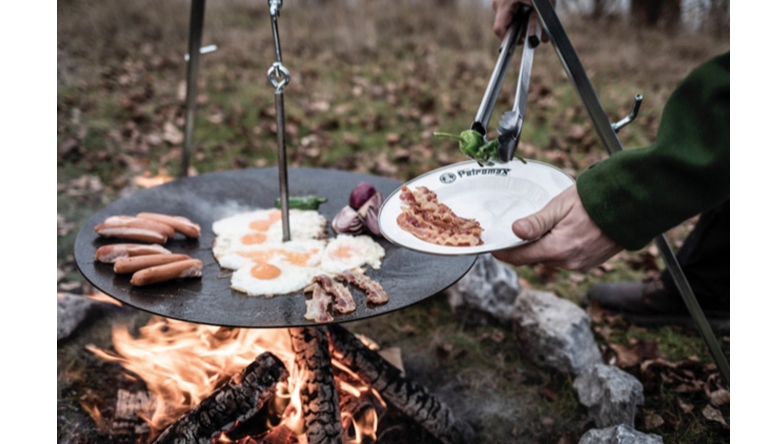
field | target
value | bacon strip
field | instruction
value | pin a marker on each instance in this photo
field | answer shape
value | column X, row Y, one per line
column 375, row 294
column 318, row 305
column 428, row 219
column 343, row 300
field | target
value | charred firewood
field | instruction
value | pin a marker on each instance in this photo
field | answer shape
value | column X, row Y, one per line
column 238, row 400
column 410, row 398
column 130, row 408
column 276, row 435
column 320, row 406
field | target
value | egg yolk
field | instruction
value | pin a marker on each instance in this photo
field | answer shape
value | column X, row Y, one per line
column 343, row 252
column 264, row 224
column 265, row 271
column 292, row 257
column 253, row 238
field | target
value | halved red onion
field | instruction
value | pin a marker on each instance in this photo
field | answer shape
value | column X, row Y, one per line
column 348, row 221
column 360, row 194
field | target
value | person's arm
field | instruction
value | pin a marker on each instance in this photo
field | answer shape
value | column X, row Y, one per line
column 631, row 197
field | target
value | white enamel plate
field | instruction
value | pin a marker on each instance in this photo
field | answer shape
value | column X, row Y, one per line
column 495, row 196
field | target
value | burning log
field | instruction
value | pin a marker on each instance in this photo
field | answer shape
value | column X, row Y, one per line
column 411, row 399
column 320, row 406
column 238, row 400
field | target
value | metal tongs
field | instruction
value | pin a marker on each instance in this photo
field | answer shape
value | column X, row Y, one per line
column 511, row 122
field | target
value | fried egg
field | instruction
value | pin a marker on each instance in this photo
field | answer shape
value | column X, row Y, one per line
column 271, row 278
column 255, row 229
column 252, row 244
column 301, row 253
column 347, row 252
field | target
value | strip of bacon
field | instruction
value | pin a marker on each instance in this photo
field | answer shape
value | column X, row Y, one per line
column 318, row 305
column 343, row 300
column 375, row 294
column 434, row 222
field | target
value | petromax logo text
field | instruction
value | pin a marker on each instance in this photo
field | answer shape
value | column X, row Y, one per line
column 483, row 172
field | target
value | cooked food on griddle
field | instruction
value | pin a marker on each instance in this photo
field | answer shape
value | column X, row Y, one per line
column 128, row 265
column 428, row 219
column 188, row 268
column 152, row 228
column 375, row 294
column 181, row 224
column 251, row 244
column 112, row 252
column 150, row 264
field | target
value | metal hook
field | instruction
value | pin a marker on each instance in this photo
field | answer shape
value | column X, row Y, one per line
column 629, row 118
column 278, row 76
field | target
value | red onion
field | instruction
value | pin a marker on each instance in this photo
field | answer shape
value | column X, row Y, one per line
column 348, row 221
column 372, row 221
column 360, row 194
column 374, row 201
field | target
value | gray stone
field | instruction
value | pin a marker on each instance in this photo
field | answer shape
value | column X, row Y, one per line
column 486, row 293
column 619, row 434
column 554, row 332
column 71, row 310
column 610, row 394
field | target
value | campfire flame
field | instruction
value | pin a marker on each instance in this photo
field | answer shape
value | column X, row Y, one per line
column 182, row 363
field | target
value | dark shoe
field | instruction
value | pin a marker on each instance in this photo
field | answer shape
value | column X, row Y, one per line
column 636, row 297
column 649, row 303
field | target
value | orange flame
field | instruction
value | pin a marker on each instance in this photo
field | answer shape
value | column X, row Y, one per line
column 183, row 363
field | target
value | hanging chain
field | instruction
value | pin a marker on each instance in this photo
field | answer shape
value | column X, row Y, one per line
column 277, row 74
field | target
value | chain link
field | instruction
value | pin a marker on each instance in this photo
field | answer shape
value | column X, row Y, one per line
column 278, row 75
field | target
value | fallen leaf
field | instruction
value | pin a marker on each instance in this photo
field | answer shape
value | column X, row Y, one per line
column 719, row 397
column 652, row 420
column 627, row 356
column 172, row 134
column 714, row 414
column 686, row 407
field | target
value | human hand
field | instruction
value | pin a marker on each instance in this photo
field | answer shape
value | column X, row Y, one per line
column 568, row 238
column 504, row 11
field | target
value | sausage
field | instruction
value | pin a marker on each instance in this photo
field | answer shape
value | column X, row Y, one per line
column 167, row 272
column 137, row 222
column 137, row 234
column 131, row 264
column 112, row 252
column 180, row 224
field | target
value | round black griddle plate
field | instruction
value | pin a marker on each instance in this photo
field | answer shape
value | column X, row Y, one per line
column 407, row 276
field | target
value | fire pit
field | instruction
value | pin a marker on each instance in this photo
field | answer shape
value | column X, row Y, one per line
column 313, row 382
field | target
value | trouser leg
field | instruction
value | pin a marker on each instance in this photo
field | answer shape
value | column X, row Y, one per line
column 705, row 260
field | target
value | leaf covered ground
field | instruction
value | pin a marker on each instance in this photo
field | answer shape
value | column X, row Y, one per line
column 369, row 86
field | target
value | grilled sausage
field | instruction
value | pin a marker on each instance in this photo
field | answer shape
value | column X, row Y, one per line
column 131, row 264
column 138, row 222
column 180, row 224
column 112, row 252
column 137, row 234
column 167, row 272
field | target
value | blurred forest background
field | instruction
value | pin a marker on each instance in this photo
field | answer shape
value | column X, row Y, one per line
column 370, row 82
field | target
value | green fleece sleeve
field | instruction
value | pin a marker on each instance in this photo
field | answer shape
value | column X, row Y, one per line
column 635, row 195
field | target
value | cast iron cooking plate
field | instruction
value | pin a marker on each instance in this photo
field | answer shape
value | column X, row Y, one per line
column 407, row 276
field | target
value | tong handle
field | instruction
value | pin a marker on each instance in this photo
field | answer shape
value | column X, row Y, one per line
column 515, row 33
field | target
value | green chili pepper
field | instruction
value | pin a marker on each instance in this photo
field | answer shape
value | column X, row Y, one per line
column 309, row 202
column 473, row 145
